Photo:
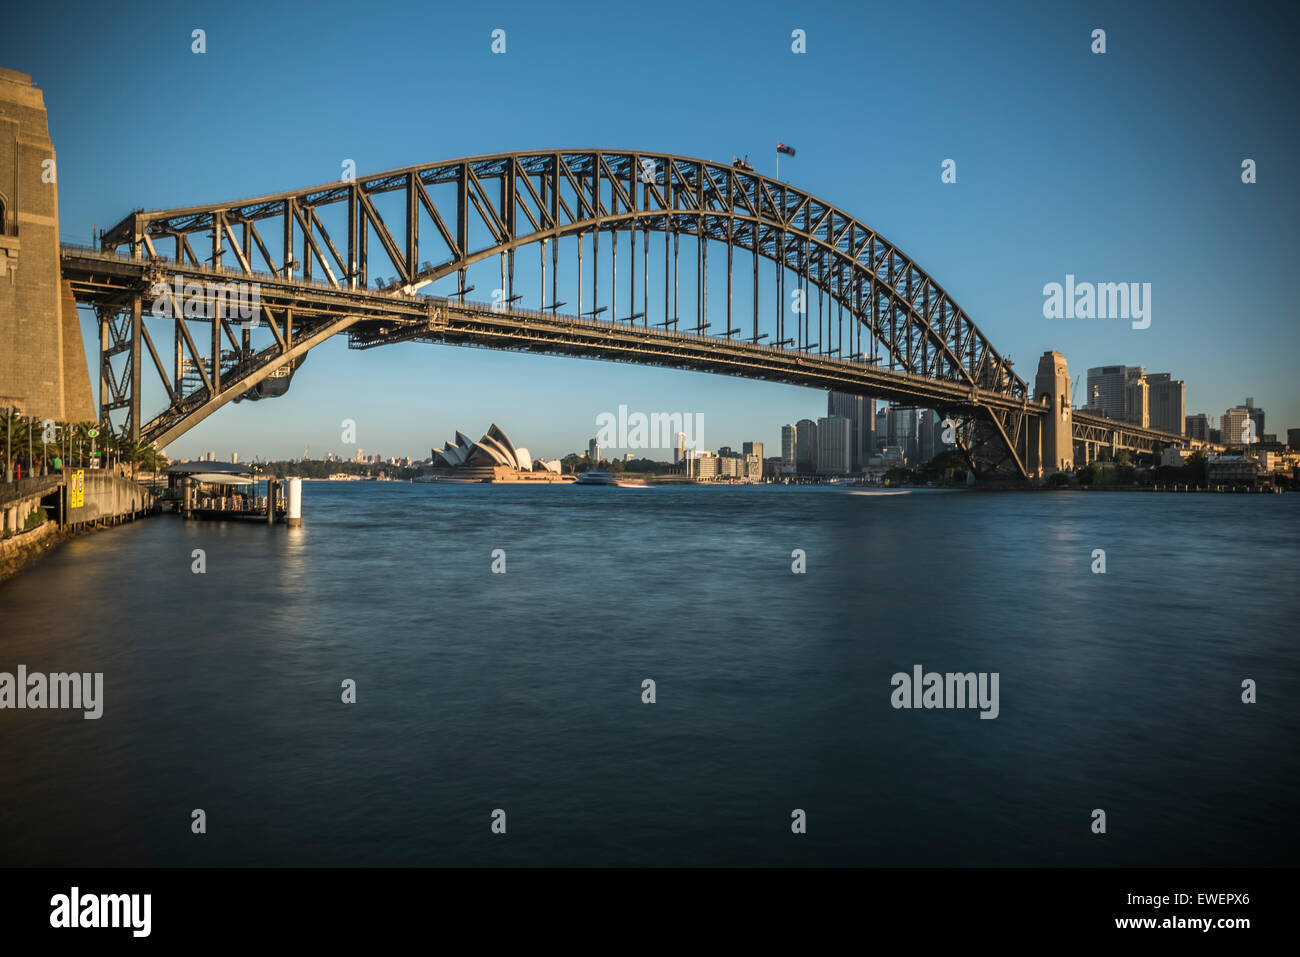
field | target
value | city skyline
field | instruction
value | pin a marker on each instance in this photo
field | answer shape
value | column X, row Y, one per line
column 667, row 454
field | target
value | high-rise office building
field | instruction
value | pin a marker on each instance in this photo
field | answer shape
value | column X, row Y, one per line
column 880, row 437
column 593, row 451
column 1197, row 427
column 1256, row 416
column 903, row 429
column 1293, row 438
column 1167, row 402
column 1106, row 390
column 861, row 413
column 789, row 442
column 834, row 445
column 679, row 447
column 752, row 448
column 1232, row 427
column 927, row 437
column 806, row 446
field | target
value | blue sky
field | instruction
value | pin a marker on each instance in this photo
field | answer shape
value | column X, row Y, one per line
column 1122, row 167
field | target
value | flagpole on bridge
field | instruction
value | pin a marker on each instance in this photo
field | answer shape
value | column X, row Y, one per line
column 781, row 148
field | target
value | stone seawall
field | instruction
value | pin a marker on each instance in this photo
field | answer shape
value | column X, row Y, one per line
column 18, row 550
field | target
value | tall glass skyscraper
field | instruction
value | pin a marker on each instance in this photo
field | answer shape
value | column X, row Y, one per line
column 861, row 413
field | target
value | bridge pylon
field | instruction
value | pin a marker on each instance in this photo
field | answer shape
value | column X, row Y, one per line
column 43, row 369
column 1051, row 436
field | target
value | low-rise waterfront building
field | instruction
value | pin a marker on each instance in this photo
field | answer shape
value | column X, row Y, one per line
column 1231, row 470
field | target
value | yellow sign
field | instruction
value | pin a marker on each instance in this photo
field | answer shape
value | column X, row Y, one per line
column 77, row 489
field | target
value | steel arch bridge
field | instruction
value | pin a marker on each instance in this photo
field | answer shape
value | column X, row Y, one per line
column 388, row 257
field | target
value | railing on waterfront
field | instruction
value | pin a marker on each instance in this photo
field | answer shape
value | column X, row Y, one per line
column 22, row 488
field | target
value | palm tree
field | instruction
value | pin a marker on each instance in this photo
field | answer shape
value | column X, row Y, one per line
column 7, row 422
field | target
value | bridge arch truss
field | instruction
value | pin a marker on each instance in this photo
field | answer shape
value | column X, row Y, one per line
column 361, row 256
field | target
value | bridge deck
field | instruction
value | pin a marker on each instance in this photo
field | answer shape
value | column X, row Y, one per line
column 371, row 318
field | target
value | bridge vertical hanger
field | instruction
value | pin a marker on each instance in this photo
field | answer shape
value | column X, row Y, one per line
column 666, row 258
column 352, row 235
column 286, row 259
column 702, row 286
column 412, row 264
column 462, row 222
column 676, row 285
column 595, row 239
column 178, row 343
column 508, row 187
column 730, row 262
column 779, row 286
column 554, row 169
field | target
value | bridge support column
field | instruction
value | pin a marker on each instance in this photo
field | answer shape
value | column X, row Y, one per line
column 1034, row 446
column 1053, row 383
column 43, row 369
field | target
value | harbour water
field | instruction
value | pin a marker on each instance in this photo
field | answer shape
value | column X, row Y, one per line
column 522, row 691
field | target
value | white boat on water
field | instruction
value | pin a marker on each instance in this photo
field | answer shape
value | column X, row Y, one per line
column 595, row 477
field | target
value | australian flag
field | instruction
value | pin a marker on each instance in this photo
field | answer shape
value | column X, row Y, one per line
column 787, row 150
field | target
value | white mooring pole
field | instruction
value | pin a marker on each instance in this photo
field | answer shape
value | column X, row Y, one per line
column 293, row 515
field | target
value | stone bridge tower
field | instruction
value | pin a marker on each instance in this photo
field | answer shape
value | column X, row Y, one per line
column 42, row 360
column 1056, row 430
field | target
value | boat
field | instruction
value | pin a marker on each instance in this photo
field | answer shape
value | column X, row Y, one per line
column 605, row 478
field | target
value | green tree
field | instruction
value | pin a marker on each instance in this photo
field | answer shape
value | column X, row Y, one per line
column 898, row 476
column 1194, row 468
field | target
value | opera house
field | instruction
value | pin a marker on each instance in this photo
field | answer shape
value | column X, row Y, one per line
column 492, row 458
